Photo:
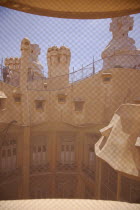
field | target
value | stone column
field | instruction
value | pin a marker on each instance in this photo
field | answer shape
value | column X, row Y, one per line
column 25, row 64
column 79, row 159
column 25, row 119
column 53, row 157
column 24, row 188
column 98, row 177
column 118, row 186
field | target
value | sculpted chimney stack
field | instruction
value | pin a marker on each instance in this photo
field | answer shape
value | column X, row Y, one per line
column 58, row 60
column 121, row 51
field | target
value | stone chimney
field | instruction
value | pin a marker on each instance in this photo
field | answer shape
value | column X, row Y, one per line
column 121, row 51
column 58, row 60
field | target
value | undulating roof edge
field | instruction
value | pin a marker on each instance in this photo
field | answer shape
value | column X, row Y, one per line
column 75, row 9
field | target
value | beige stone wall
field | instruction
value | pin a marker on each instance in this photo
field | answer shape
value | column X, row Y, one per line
column 101, row 99
column 11, row 110
column 47, row 113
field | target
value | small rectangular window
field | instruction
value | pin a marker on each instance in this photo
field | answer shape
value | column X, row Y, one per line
column 79, row 106
column 107, row 79
column 34, row 149
column 67, row 153
column 44, row 148
column 17, row 99
column 62, row 148
column 39, row 148
column 72, row 147
column 61, row 98
column 39, row 105
column 67, row 148
column 2, row 103
column 91, row 148
column 14, row 151
column 9, row 153
column 3, row 153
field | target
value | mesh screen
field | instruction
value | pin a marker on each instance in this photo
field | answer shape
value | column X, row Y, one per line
column 61, row 82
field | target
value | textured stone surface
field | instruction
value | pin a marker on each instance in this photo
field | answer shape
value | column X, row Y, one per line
column 66, row 204
column 121, row 50
column 119, row 150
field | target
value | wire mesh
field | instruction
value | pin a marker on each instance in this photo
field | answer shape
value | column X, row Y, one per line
column 51, row 116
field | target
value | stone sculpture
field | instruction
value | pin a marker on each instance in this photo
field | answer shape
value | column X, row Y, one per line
column 36, row 66
column 121, row 51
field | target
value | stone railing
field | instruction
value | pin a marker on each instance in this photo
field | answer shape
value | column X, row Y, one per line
column 89, row 172
column 6, row 175
column 66, row 166
column 39, row 168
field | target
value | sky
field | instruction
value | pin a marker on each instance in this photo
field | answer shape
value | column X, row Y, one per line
column 85, row 38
